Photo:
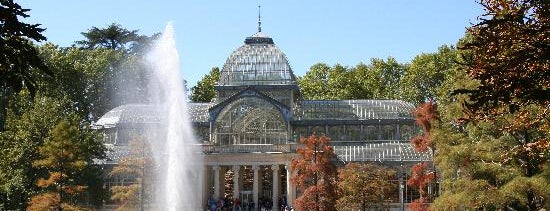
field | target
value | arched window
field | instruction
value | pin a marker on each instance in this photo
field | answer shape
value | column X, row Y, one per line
column 250, row 120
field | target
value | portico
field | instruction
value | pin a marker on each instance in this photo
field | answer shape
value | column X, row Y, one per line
column 251, row 177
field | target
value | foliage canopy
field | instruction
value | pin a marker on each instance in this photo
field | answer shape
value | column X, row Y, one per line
column 316, row 174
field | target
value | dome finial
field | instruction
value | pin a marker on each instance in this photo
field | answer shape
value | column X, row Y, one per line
column 259, row 20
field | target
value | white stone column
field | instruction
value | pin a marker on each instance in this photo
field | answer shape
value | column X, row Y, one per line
column 217, row 186
column 236, row 183
column 289, row 186
column 206, row 194
column 275, row 196
column 255, row 186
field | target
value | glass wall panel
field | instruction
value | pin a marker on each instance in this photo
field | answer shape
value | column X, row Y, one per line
column 406, row 132
column 318, row 130
column 388, row 132
column 371, row 132
column 109, row 137
column 300, row 132
column 353, row 132
column 123, row 136
column 336, row 133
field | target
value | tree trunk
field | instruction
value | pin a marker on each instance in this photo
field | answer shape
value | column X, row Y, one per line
column 4, row 99
column 364, row 204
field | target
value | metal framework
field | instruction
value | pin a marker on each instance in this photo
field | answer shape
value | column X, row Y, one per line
column 258, row 62
column 128, row 114
column 353, row 109
column 258, row 109
column 250, row 120
column 381, row 152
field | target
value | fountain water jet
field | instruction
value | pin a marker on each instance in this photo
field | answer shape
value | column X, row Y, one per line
column 179, row 158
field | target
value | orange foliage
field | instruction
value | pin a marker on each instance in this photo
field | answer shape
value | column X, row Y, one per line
column 74, row 189
column 45, row 201
column 508, row 55
column 421, row 143
column 419, row 205
column 425, row 114
column 315, row 174
column 421, row 176
column 54, row 178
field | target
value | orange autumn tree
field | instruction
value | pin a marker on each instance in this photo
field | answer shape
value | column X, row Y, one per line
column 364, row 186
column 67, row 155
column 422, row 175
column 315, row 175
column 137, row 167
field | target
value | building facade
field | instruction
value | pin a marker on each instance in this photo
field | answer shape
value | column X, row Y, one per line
column 250, row 132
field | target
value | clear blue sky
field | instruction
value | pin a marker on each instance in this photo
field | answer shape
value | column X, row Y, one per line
column 307, row 31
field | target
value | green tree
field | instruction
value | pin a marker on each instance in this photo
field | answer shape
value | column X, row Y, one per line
column 19, row 61
column 339, row 81
column 426, row 73
column 116, row 37
column 84, row 77
column 481, row 169
column 364, row 186
column 28, row 124
column 313, row 84
column 204, row 90
column 378, row 80
column 316, row 174
column 357, row 84
column 383, row 78
column 94, row 80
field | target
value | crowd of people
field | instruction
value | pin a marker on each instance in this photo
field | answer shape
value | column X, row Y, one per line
column 264, row 204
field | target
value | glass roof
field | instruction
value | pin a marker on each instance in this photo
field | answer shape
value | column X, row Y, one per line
column 129, row 113
column 307, row 110
column 385, row 151
column 257, row 62
column 353, row 109
column 199, row 111
column 144, row 113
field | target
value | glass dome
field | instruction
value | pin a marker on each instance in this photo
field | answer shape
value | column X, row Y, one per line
column 257, row 62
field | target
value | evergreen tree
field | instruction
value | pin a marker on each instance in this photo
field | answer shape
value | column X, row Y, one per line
column 115, row 37
column 68, row 156
column 494, row 150
column 19, row 61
